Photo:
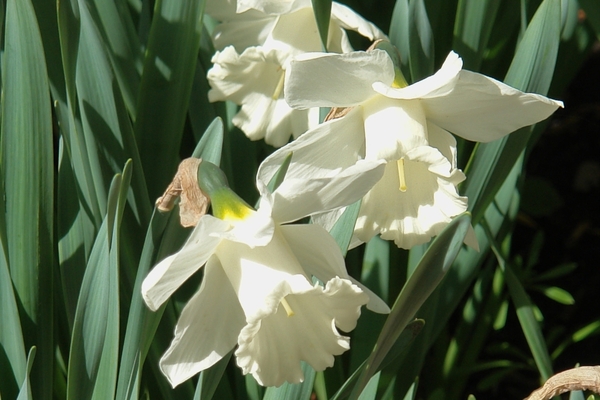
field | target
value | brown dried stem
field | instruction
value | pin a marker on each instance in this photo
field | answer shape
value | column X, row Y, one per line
column 582, row 378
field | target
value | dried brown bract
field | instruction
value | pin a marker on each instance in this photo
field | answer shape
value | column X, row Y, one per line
column 194, row 202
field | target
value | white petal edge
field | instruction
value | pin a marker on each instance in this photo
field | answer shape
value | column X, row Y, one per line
column 483, row 109
column 171, row 272
column 207, row 329
column 320, row 256
column 439, row 84
column 272, row 346
column 349, row 19
column 321, row 152
column 297, row 198
column 336, row 80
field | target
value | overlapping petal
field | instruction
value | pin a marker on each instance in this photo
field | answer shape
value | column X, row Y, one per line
column 420, row 212
column 319, row 255
column 203, row 336
column 271, row 345
column 171, row 272
column 483, row 109
column 336, row 80
column 330, row 147
column 254, row 79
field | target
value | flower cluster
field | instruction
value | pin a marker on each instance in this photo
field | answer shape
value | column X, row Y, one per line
column 280, row 291
column 256, row 42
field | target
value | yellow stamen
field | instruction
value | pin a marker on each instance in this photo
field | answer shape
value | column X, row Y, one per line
column 279, row 86
column 401, row 178
column 287, row 307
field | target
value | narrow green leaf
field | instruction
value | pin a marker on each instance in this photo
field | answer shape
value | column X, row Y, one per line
column 130, row 368
column 531, row 70
column 420, row 41
column 93, row 360
column 400, row 346
column 25, row 392
column 370, row 391
column 441, row 305
column 559, row 295
column 343, row 229
column 106, row 125
column 322, row 10
column 27, row 167
column 431, row 269
column 209, row 379
column 289, row 391
column 85, row 164
column 124, row 49
column 169, row 67
column 472, row 29
column 11, row 335
column 525, row 313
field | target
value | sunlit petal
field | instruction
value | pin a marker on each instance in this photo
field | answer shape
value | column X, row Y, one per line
column 203, row 336
column 171, row 272
column 336, row 80
column 272, row 345
column 320, row 256
column 483, row 109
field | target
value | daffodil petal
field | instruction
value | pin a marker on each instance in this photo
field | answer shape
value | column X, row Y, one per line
column 243, row 33
column 422, row 211
column 255, row 230
column 348, row 19
column 336, row 80
column 207, row 328
column 298, row 198
column 439, row 84
column 444, row 141
column 254, row 273
column 272, row 345
column 171, row 272
column 252, row 79
column 321, row 152
column 285, row 34
column 393, row 127
column 320, row 256
column 483, row 109
column 275, row 7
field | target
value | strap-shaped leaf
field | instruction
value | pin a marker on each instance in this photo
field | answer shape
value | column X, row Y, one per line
column 123, row 46
column 531, row 70
column 169, row 67
column 28, row 176
column 25, row 392
column 93, row 360
column 420, row 41
column 472, row 29
column 525, row 312
column 289, row 391
column 425, row 278
column 11, row 334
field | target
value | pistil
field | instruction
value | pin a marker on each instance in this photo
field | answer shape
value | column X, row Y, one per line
column 287, row 307
column 401, row 178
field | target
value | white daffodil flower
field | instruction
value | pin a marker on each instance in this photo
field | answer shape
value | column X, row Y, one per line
column 408, row 127
column 258, row 291
column 255, row 46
